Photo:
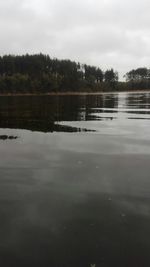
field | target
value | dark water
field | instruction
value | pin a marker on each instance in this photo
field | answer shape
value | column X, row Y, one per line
column 75, row 181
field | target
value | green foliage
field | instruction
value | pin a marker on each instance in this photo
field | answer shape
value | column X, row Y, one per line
column 111, row 76
column 42, row 74
column 138, row 79
column 137, row 75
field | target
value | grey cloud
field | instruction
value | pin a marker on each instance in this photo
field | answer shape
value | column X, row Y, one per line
column 108, row 33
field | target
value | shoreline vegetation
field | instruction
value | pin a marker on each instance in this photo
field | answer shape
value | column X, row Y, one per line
column 41, row 75
column 75, row 93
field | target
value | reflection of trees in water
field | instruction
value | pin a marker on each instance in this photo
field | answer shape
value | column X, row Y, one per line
column 9, row 137
column 80, row 107
column 97, row 104
column 45, row 112
column 138, row 101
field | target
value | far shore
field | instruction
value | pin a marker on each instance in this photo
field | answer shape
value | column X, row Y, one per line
column 75, row 93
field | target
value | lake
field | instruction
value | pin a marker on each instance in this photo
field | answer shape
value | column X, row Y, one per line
column 75, row 180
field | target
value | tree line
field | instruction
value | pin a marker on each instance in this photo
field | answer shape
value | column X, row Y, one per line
column 41, row 74
column 138, row 78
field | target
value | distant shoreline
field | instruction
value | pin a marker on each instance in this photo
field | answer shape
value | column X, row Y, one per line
column 75, row 93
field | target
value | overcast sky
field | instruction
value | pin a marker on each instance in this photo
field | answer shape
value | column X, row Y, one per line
column 105, row 33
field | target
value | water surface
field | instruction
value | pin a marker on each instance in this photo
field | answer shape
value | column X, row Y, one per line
column 74, row 180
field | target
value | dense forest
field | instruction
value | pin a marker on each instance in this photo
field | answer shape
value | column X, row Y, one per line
column 42, row 74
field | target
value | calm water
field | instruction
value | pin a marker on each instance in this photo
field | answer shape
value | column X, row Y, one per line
column 75, row 181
